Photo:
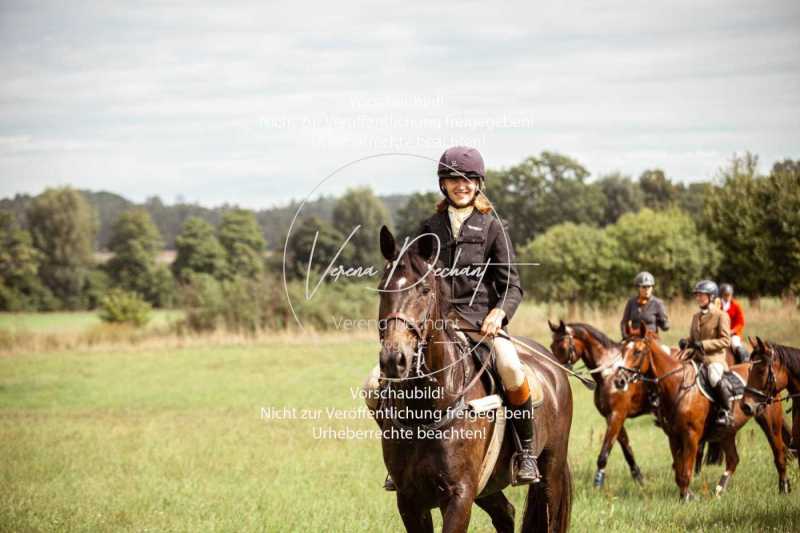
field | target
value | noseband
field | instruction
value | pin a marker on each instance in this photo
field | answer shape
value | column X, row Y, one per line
column 418, row 359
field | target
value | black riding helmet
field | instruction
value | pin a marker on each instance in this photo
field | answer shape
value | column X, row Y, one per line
column 461, row 162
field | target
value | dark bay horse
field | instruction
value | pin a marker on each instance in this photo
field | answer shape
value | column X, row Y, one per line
column 775, row 368
column 687, row 413
column 437, row 463
column 576, row 341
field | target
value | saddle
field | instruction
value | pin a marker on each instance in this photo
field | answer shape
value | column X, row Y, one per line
column 481, row 350
column 734, row 381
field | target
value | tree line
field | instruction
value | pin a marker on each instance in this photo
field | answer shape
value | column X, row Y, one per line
column 589, row 237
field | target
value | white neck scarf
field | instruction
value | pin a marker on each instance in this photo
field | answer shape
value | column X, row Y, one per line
column 457, row 217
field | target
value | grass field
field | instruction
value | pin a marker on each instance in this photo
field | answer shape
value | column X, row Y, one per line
column 172, row 439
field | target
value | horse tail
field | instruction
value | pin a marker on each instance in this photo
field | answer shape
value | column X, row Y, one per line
column 543, row 511
column 714, row 454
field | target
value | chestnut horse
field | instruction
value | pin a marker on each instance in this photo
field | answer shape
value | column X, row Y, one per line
column 775, row 367
column 576, row 341
column 437, row 462
column 687, row 413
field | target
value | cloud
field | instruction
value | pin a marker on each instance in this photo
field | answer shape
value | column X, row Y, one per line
column 255, row 103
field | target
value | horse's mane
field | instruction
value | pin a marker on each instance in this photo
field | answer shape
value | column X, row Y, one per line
column 596, row 333
column 788, row 356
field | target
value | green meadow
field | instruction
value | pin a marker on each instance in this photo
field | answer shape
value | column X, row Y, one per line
column 173, row 439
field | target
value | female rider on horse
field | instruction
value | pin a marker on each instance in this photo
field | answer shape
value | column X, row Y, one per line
column 644, row 308
column 485, row 297
column 710, row 336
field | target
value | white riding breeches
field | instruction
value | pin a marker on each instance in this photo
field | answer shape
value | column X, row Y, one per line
column 508, row 364
column 509, row 367
column 736, row 341
column 715, row 371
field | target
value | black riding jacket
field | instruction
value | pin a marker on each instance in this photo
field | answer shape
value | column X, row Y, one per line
column 653, row 314
column 481, row 239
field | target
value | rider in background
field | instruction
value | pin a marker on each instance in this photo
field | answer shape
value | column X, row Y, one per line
column 734, row 310
column 710, row 336
column 644, row 308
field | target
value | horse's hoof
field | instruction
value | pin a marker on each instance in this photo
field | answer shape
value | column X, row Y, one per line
column 784, row 487
column 722, row 485
column 688, row 497
column 637, row 475
column 599, row 478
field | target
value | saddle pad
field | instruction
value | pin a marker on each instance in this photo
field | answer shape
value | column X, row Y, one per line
column 496, row 443
column 704, row 384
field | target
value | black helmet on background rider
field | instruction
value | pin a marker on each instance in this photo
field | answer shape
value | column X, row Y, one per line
column 706, row 286
column 461, row 161
column 726, row 288
column 644, row 279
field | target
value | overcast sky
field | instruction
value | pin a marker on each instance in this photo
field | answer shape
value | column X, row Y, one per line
column 256, row 103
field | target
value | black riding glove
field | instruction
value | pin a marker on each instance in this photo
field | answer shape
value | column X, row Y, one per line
column 697, row 345
column 682, row 344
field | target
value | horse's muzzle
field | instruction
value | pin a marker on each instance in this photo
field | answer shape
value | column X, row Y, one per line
column 394, row 363
column 750, row 408
column 621, row 381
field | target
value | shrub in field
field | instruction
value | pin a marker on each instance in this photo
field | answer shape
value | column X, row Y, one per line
column 246, row 305
column 202, row 300
column 120, row 306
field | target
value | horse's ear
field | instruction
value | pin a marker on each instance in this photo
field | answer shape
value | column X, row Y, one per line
column 642, row 330
column 553, row 327
column 752, row 342
column 561, row 326
column 388, row 245
column 760, row 344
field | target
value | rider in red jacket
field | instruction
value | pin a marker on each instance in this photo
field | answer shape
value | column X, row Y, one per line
column 734, row 311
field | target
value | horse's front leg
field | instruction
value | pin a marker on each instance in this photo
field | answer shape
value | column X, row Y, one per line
column 614, row 423
column 771, row 422
column 685, row 466
column 457, row 509
column 416, row 518
column 627, row 451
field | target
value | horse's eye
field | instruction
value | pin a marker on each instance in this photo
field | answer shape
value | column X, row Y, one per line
column 426, row 289
column 637, row 353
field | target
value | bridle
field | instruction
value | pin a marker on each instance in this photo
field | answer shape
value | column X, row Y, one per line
column 418, row 359
column 765, row 397
column 421, row 370
column 572, row 353
column 638, row 375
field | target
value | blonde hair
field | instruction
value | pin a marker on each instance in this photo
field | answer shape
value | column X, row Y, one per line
column 481, row 203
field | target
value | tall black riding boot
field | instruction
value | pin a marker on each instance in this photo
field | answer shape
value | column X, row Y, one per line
column 525, row 470
column 725, row 395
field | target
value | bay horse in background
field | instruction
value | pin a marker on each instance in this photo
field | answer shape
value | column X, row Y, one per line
column 420, row 354
column 775, row 368
column 687, row 413
column 577, row 341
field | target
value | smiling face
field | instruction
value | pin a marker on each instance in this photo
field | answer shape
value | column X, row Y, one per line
column 702, row 299
column 461, row 191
